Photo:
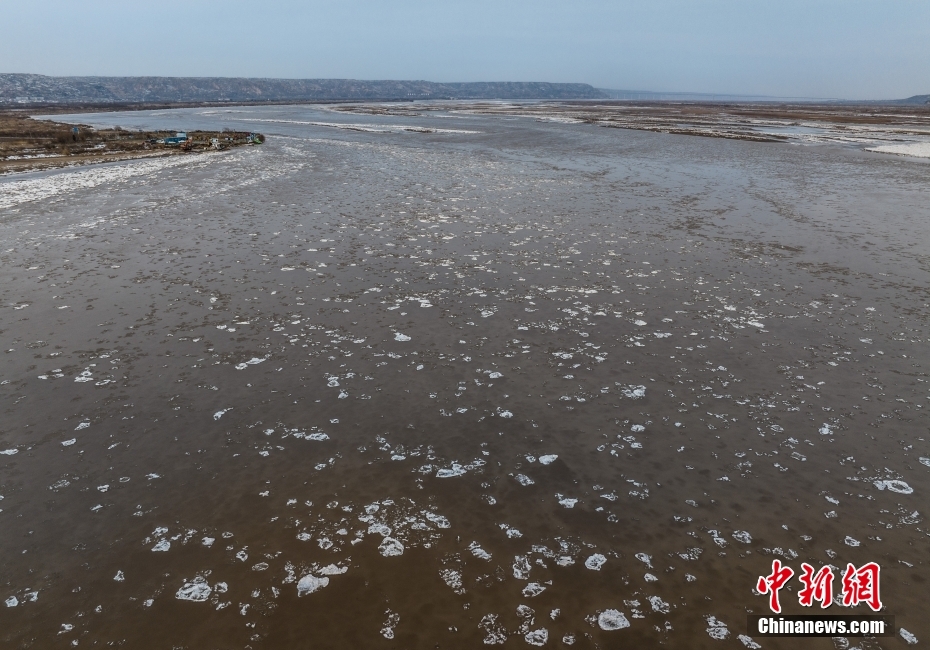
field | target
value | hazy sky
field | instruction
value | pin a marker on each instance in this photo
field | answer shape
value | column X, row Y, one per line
column 854, row 49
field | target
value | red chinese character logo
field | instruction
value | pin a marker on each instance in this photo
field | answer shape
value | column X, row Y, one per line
column 861, row 586
column 770, row 584
column 816, row 587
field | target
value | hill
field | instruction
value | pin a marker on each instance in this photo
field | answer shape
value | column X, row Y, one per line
column 26, row 89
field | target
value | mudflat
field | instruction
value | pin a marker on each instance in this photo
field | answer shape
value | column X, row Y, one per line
column 448, row 379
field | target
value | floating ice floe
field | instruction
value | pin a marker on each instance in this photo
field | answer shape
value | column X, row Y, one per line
column 521, row 567
column 453, row 579
column 401, row 337
column 533, row 589
column 634, row 392
column 219, row 414
column 645, row 559
column 742, row 536
column 310, row 584
column 251, row 362
column 894, row 485
column 318, row 436
column 391, row 547
column 549, row 458
column 595, row 562
column 524, row 480
column 849, row 541
column 12, row 601
column 68, row 443
column 537, row 637
column 162, row 546
column 9, row 452
column 612, row 619
column 748, row 642
column 659, row 605
column 716, row 629
column 494, row 633
column 450, row 472
column 197, row 590
column 923, row 461
column 82, row 425
column 908, row 637
column 512, row 533
column 119, row 577
column 478, row 552
column 565, row 501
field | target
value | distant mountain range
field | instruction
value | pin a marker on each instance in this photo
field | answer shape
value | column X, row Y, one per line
column 32, row 89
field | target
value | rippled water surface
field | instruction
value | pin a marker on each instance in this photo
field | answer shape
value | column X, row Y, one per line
column 447, row 381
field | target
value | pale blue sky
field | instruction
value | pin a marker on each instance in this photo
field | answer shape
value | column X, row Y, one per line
column 816, row 48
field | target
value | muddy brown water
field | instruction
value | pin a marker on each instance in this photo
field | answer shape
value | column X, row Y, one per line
column 499, row 382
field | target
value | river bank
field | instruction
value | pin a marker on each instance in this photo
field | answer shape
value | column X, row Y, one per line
column 30, row 144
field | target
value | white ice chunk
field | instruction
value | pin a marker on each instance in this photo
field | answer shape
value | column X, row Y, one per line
column 634, row 392
column 659, row 605
column 533, row 589
column 611, row 619
column 311, row 583
column 391, row 547
column 742, row 536
column 537, row 637
column 909, row 638
column 478, row 552
column 197, row 590
column 332, row 570
column 595, row 562
column 894, row 486
column 716, row 629
column 455, row 470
